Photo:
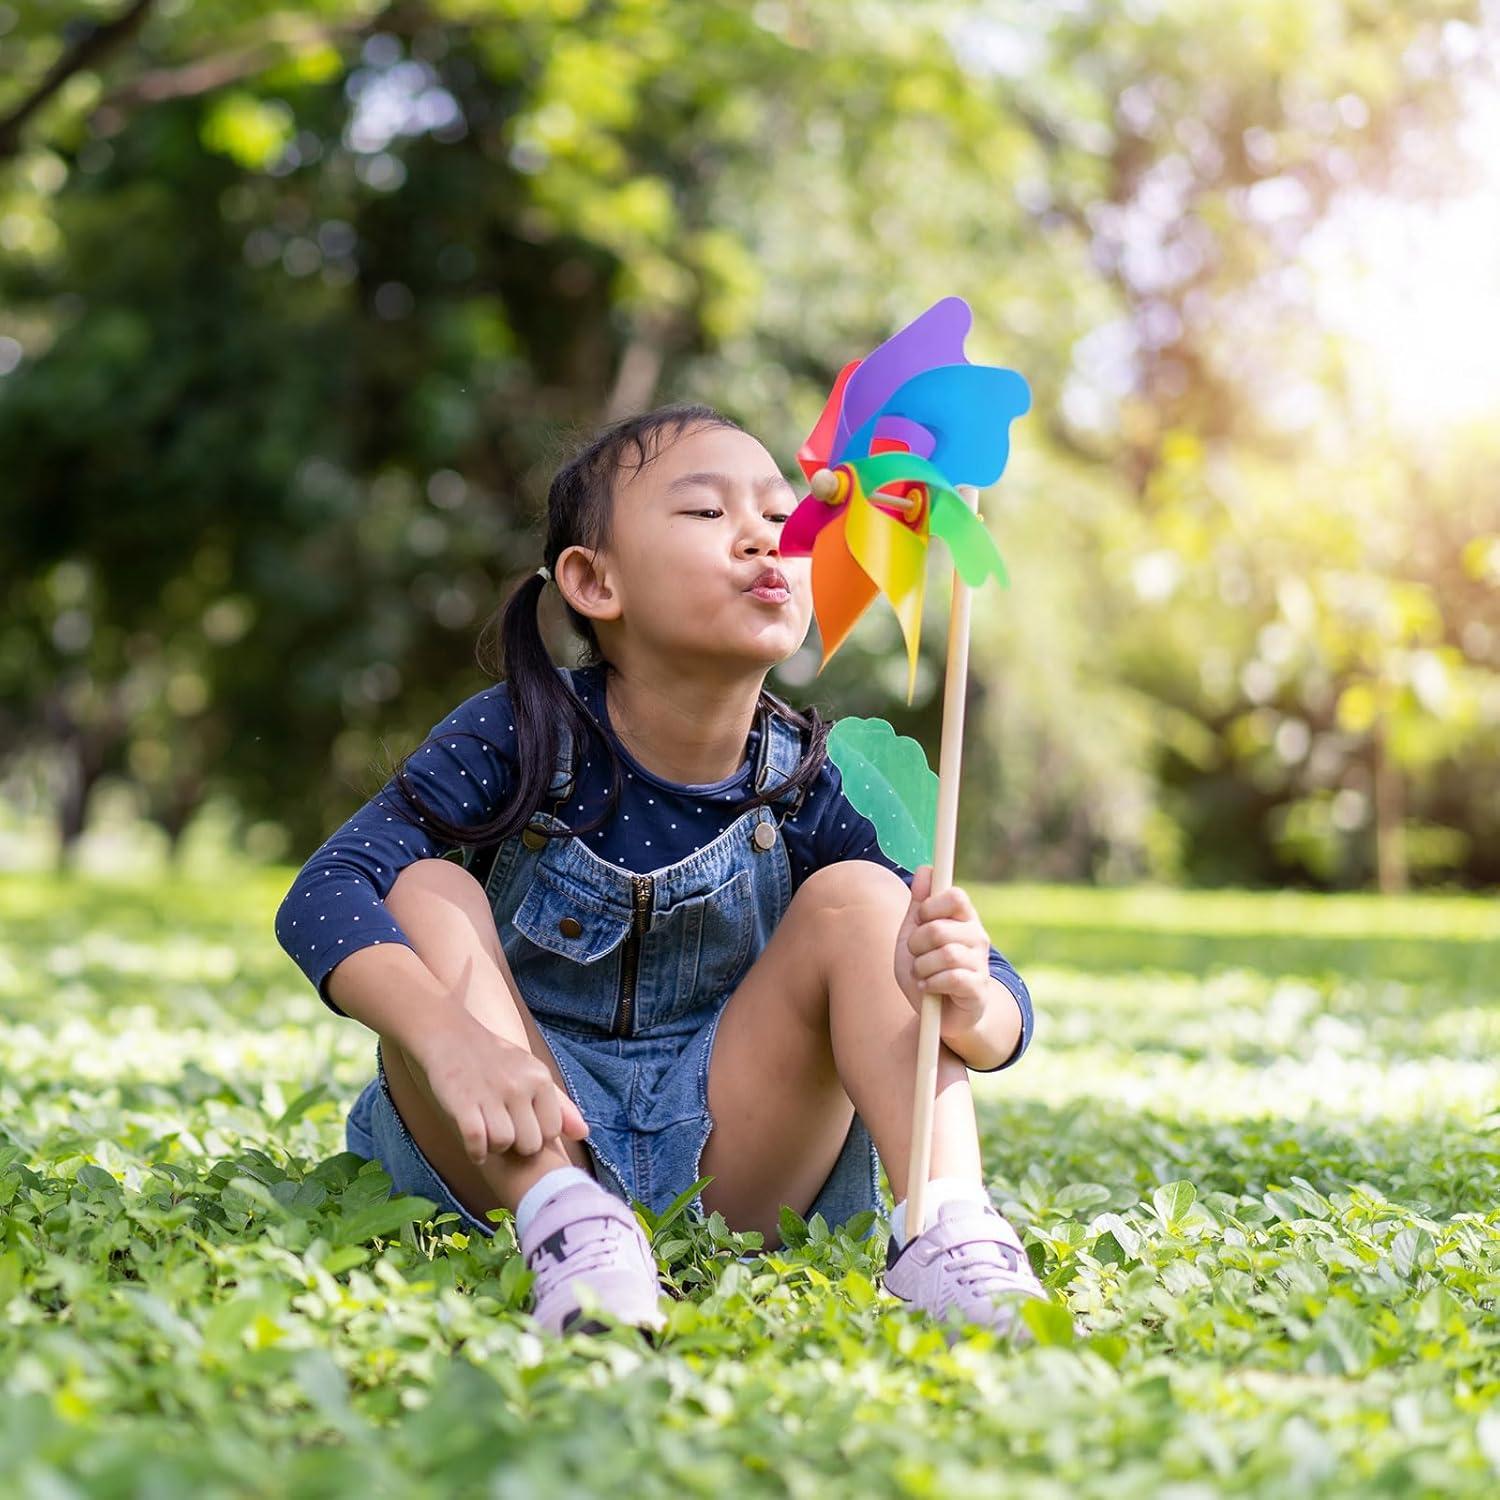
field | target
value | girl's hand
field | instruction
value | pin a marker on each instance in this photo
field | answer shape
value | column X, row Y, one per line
column 497, row 1096
column 943, row 949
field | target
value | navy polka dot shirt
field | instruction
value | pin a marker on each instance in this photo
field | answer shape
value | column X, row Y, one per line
column 335, row 906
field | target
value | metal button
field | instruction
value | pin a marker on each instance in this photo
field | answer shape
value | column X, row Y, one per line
column 532, row 839
column 763, row 836
column 570, row 927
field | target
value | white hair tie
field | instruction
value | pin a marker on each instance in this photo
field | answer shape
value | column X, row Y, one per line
column 543, row 570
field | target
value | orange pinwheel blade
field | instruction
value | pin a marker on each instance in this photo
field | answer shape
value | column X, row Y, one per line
column 841, row 590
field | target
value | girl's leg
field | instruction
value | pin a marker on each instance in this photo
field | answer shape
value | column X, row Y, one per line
column 817, row 1029
column 447, row 916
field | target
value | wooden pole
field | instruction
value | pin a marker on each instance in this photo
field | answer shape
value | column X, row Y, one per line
column 924, row 1100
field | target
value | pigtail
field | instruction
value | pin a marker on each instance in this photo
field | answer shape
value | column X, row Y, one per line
column 543, row 708
column 543, row 705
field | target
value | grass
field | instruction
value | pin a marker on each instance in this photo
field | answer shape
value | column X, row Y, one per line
column 1253, row 1152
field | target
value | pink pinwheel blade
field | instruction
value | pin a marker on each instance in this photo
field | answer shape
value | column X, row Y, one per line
column 801, row 528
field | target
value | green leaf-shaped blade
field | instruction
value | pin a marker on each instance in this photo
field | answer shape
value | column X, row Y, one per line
column 975, row 554
column 973, row 549
column 886, row 468
column 887, row 778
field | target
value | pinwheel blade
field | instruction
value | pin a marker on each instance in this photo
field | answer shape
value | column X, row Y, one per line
column 935, row 337
column 841, row 590
column 803, row 527
column 973, row 549
column 894, row 557
column 967, row 408
column 814, row 453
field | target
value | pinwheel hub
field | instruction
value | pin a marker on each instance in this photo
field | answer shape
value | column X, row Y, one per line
column 835, row 486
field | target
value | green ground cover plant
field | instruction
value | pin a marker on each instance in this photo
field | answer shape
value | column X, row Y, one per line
column 1253, row 1152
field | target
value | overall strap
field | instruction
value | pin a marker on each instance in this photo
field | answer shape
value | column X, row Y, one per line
column 479, row 860
column 778, row 755
column 561, row 785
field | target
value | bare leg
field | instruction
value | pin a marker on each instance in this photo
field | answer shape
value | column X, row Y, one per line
column 818, row 1028
column 447, row 916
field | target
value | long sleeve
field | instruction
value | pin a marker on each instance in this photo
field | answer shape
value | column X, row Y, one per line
column 835, row 829
column 336, row 904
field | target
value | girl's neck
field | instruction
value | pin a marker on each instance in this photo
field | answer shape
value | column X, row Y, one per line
column 688, row 732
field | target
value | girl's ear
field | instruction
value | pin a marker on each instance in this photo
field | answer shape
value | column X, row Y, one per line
column 582, row 578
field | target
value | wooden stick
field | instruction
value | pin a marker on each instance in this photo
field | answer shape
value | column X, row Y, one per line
column 924, row 1099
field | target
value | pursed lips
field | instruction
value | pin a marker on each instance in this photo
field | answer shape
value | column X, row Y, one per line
column 772, row 578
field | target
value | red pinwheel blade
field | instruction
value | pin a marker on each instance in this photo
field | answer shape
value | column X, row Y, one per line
column 813, row 454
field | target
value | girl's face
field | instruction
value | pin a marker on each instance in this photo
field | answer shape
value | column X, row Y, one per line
column 694, row 530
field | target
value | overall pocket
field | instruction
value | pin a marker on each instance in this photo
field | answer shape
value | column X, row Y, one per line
column 557, row 943
column 713, row 933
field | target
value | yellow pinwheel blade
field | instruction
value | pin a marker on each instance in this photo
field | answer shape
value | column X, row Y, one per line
column 894, row 557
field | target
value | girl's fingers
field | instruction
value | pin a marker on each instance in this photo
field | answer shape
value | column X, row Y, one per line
column 499, row 1129
column 528, row 1132
column 475, row 1135
column 573, row 1123
column 954, row 986
column 938, row 961
column 548, row 1112
column 951, row 902
column 929, row 935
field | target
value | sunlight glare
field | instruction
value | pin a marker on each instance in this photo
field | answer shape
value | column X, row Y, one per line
column 1418, row 288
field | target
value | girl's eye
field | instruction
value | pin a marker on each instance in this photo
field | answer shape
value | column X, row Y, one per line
column 710, row 510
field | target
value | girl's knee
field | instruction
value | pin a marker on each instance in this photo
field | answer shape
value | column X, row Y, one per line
column 855, row 883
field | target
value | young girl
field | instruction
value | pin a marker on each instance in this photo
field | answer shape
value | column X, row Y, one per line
column 618, row 928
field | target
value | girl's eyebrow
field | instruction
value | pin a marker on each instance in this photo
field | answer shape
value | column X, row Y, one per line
column 721, row 481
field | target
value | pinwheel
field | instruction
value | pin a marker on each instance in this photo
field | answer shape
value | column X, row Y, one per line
column 908, row 436
column 900, row 430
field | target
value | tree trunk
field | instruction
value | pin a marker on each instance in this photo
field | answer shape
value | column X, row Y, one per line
column 174, row 817
column 1390, row 810
column 82, row 758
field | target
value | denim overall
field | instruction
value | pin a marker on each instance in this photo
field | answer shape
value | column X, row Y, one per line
column 626, row 976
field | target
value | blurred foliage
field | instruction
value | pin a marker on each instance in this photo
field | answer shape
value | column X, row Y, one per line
column 1251, row 1155
column 297, row 304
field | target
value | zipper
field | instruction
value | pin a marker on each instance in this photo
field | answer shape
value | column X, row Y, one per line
column 644, row 887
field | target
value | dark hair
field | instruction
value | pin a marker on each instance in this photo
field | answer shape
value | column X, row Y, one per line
column 580, row 512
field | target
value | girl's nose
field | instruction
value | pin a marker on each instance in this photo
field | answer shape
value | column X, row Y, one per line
column 764, row 539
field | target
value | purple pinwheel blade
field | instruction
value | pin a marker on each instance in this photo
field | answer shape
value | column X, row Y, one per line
column 935, row 337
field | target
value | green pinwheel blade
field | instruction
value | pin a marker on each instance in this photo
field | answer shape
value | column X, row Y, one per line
column 887, row 468
column 974, row 552
column 887, row 778
column 973, row 549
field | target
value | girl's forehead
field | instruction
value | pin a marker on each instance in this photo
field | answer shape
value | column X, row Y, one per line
column 705, row 456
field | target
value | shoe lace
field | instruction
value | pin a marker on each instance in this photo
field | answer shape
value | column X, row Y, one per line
column 583, row 1254
column 972, row 1264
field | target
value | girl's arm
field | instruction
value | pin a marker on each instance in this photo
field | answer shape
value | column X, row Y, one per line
column 840, row 831
column 393, row 992
column 335, row 908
